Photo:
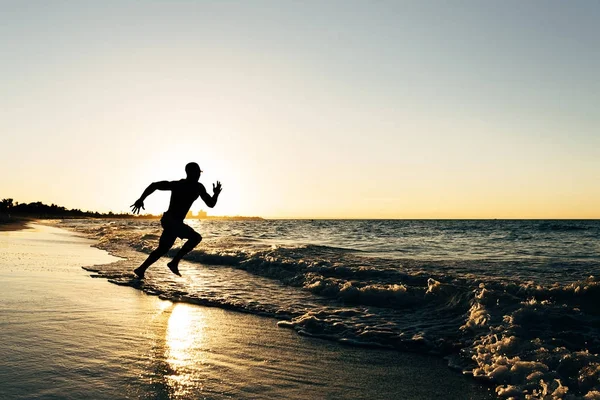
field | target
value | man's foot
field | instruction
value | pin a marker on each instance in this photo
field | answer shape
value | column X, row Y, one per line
column 139, row 272
column 174, row 267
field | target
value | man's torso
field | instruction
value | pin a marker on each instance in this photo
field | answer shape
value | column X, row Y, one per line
column 183, row 196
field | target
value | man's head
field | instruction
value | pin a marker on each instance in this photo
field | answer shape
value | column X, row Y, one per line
column 193, row 171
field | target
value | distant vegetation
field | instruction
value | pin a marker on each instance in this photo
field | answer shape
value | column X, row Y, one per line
column 41, row 210
column 10, row 210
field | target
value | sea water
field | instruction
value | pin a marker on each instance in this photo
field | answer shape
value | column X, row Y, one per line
column 512, row 302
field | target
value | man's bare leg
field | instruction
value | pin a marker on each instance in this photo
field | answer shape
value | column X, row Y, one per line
column 186, row 248
column 152, row 258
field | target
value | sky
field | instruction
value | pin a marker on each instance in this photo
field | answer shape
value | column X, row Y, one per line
column 305, row 109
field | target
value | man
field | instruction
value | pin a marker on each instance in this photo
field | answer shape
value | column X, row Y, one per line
column 183, row 194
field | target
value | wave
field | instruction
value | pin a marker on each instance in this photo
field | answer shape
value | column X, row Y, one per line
column 529, row 341
column 528, row 338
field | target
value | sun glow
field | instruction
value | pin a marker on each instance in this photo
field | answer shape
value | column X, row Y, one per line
column 415, row 118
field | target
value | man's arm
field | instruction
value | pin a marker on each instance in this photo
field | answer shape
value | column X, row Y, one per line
column 210, row 200
column 139, row 203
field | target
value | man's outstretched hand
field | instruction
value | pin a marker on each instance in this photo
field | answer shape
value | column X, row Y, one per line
column 217, row 189
column 135, row 207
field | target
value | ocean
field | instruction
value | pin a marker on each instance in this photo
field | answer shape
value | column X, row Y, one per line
column 511, row 302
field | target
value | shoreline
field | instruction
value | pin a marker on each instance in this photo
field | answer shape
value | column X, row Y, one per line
column 66, row 333
column 13, row 224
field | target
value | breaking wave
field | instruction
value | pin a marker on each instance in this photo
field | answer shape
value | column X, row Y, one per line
column 530, row 328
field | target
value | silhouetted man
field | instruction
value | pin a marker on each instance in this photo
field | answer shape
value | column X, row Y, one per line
column 183, row 193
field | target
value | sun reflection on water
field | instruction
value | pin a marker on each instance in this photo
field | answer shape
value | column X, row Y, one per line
column 184, row 350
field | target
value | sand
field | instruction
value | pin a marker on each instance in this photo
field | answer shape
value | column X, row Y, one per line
column 66, row 335
column 11, row 224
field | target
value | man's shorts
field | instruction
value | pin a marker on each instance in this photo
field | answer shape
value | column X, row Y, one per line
column 173, row 229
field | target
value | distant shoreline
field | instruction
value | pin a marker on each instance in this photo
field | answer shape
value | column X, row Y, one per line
column 223, row 218
column 12, row 223
column 14, row 211
column 20, row 221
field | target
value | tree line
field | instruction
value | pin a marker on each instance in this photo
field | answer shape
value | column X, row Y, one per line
column 38, row 209
column 10, row 209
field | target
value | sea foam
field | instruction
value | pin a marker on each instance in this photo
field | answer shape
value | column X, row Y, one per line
column 530, row 329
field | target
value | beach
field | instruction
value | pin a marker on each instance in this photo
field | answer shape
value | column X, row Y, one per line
column 66, row 335
column 299, row 200
column 11, row 224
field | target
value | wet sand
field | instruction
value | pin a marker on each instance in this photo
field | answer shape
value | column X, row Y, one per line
column 12, row 224
column 66, row 335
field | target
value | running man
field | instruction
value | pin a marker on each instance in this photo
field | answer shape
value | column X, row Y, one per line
column 183, row 194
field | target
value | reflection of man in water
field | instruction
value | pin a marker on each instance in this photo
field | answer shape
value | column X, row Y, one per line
column 183, row 194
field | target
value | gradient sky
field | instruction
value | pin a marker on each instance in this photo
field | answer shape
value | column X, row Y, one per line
column 310, row 109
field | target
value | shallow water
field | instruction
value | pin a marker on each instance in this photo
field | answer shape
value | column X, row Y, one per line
column 66, row 336
column 510, row 302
